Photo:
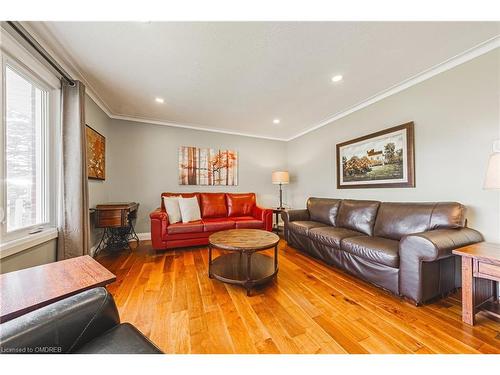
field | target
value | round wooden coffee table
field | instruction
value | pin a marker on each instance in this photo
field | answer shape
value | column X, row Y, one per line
column 243, row 265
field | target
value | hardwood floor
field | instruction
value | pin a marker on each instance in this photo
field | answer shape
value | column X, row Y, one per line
column 310, row 308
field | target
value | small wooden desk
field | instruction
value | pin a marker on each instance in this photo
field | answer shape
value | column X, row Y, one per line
column 29, row 289
column 117, row 219
column 480, row 277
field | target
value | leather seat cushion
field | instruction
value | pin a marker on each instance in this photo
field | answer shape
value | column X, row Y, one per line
column 213, row 205
column 122, row 339
column 249, row 224
column 193, row 227
column 303, row 227
column 331, row 236
column 376, row 249
column 240, row 204
column 217, row 224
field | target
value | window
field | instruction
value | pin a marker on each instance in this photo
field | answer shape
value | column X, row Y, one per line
column 29, row 128
column 26, row 108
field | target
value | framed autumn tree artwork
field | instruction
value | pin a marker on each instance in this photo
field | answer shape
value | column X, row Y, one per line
column 383, row 159
column 96, row 154
column 207, row 166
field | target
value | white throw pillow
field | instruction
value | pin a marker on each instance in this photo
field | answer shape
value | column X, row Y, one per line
column 172, row 208
column 190, row 210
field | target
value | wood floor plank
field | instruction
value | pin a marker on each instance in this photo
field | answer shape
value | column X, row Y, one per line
column 310, row 308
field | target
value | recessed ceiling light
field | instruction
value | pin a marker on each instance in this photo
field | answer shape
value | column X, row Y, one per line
column 159, row 100
column 276, row 121
column 337, row 78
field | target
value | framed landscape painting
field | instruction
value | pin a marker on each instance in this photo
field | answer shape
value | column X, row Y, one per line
column 207, row 166
column 383, row 159
column 96, row 154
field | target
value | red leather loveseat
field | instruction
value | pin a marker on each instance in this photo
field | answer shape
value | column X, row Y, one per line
column 219, row 211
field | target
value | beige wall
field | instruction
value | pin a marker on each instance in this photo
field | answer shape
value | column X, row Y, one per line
column 34, row 256
column 143, row 163
column 456, row 116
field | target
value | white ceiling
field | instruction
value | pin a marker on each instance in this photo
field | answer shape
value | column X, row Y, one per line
column 239, row 76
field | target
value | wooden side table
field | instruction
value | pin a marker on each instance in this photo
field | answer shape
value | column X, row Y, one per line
column 277, row 212
column 480, row 278
column 31, row 288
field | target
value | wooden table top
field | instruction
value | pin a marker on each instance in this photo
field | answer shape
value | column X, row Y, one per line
column 118, row 206
column 31, row 288
column 481, row 250
column 244, row 239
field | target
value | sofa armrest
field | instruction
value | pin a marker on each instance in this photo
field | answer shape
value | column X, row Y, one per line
column 436, row 244
column 159, row 214
column 428, row 246
column 159, row 224
column 264, row 214
column 293, row 215
column 63, row 326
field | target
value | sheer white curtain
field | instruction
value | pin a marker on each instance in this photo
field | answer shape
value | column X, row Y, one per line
column 74, row 227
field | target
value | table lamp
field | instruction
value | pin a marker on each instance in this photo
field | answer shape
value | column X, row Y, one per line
column 281, row 178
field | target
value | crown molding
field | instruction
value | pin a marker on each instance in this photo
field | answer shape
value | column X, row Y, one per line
column 68, row 63
column 60, row 54
column 191, row 126
column 472, row 53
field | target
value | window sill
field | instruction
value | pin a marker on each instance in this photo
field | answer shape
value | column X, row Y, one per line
column 21, row 244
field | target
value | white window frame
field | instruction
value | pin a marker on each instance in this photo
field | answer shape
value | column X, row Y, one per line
column 15, row 56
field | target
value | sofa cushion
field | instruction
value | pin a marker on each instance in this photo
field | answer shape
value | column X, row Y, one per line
column 192, row 227
column 240, row 204
column 323, row 210
column 395, row 219
column 217, row 224
column 376, row 249
column 331, row 236
column 213, row 205
column 447, row 215
column 357, row 215
column 303, row 227
column 249, row 224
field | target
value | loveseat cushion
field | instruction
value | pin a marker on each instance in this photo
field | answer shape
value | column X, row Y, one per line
column 331, row 236
column 213, row 205
column 192, row 227
column 376, row 249
column 357, row 215
column 249, row 224
column 240, row 204
column 323, row 210
column 303, row 227
column 217, row 224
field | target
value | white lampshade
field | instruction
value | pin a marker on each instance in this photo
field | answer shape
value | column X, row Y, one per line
column 492, row 180
column 281, row 177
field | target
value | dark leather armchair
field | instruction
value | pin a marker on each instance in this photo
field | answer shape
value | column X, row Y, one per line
column 87, row 323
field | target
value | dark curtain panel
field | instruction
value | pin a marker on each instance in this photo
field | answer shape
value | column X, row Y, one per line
column 73, row 238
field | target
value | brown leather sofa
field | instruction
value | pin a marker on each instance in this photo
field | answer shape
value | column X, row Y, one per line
column 405, row 248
